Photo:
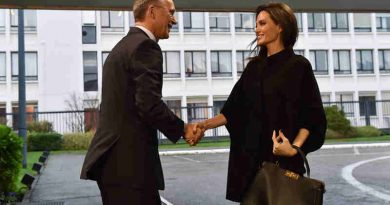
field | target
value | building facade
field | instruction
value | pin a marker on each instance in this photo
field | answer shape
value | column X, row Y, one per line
column 203, row 58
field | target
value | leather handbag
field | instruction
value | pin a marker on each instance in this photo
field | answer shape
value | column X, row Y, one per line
column 276, row 186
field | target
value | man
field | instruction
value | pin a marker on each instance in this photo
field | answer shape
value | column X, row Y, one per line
column 123, row 156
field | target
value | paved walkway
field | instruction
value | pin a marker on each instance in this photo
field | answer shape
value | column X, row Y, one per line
column 59, row 182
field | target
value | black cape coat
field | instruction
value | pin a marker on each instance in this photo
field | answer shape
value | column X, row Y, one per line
column 273, row 93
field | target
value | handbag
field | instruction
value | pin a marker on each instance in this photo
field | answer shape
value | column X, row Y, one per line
column 276, row 186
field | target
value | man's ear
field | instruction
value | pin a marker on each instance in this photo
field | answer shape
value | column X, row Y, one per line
column 152, row 11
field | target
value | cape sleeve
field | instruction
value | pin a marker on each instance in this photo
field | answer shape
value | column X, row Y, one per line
column 312, row 112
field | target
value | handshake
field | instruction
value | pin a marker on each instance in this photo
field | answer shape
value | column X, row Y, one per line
column 194, row 132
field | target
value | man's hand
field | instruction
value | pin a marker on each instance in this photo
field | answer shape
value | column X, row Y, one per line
column 193, row 133
column 282, row 146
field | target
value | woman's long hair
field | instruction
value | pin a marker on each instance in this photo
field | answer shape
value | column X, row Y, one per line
column 283, row 16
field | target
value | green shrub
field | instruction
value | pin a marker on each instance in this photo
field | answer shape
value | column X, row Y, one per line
column 77, row 141
column 368, row 131
column 44, row 141
column 11, row 147
column 40, row 126
column 337, row 122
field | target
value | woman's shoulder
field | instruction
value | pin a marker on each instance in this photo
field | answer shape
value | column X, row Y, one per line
column 301, row 63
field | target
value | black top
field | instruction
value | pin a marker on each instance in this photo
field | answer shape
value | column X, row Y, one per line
column 273, row 93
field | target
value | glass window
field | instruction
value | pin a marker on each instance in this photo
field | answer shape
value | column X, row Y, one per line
column 298, row 16
column 362, row 22
column 384, row 60
column 112, row 20
column 383, row 22
column 242, row 59
column 90, row 71
column 3, row 114
column 31, row 115
column 197, row 112
column 30, row 20
column 195, row 62
column 319, row 61
column 31, row 65
column 221, row 63
column 339, row 22
column 341, row 62
column 2, row 66
column 244, row 22
column 345, row 103
column 367, row 105
column 89, row 34
column 171, row 64
column 104, row 56
column 131, row 19
column 175, row 106
column 193, row 21
column 364, row 63
column 316, row 22
column 2, row 20
column 219, row 22
column 299, row 52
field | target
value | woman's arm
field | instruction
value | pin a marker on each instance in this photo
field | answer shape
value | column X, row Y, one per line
column 282, row 146
column 212, row 123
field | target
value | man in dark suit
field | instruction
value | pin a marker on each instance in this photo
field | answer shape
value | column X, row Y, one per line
column 123, row 156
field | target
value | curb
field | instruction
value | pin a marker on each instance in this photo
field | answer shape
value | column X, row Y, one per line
column 217, row 151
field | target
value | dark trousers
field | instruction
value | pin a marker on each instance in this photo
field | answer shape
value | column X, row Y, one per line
column 114, row 194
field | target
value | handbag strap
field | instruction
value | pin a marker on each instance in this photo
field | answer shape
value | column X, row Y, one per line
column 304, row 159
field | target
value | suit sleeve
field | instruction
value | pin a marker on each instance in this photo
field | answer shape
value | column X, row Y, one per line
column 147, row 64
column 312, row 112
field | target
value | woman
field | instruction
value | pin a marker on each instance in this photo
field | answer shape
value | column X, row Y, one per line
column 275, row 103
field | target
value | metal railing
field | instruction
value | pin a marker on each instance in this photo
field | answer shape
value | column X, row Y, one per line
column 360, row 113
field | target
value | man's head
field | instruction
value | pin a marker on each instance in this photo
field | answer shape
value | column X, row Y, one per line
column 155, row 15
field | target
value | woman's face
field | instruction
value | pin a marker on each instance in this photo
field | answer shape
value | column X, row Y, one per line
column 267, row 31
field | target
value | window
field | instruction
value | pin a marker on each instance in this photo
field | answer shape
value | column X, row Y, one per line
column 345, row 103
column 362, row 22
column 91, row 119
column 384, row 61
column 217, row 106
column 175, row 106
column 339, row 22
column 197, row 112
column 89, row 27
column 219, row 22
column 383, row 22
column 299, row 52
column 112, row 20
column 3, row 114
column 31, row 115
column 31, row 65
column 2, row 67
column 90, row 71
column 367, row 105
column 244, row 22
column 195, row 62
column 298, row 16
column 319, row 61
column 341, row 62
column 30, row 20
column 221, row 63
column 364, row 63
column 131, row 19
column 2, row 20
column 193, row 21
column 316, row 22
column 171, row 64
column 242, row 59
column 104, row 56
column 325, row 98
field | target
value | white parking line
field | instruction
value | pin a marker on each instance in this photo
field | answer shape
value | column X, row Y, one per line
column 186, row 158
column 166, row 202
column 346, row 173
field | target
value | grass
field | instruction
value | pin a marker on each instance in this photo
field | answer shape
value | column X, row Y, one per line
column 359, row 139
column 32, row 157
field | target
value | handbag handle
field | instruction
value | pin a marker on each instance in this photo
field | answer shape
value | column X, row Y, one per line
column 304, row 159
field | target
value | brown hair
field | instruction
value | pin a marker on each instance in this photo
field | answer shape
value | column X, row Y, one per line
column 140, row 7
column 283, row 16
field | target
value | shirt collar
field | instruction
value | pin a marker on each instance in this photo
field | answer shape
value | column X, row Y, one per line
column 149, row 33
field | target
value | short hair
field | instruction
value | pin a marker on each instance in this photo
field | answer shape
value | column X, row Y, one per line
column 140, row 7
column 283, row 16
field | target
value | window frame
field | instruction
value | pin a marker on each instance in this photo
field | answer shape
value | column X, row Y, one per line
column 192, row 73
column 339, row 70
column 165, row 64
column 90, row 73
column 363, row 71
column 315, row 67
column 28, row 78
column 219, row 73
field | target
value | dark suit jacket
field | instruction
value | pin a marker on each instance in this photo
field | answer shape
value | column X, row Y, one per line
column 125, row 147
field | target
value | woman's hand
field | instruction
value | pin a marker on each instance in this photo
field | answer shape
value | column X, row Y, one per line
column 282, row 146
